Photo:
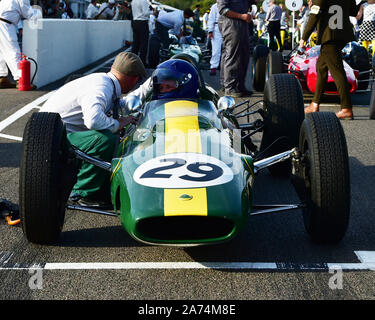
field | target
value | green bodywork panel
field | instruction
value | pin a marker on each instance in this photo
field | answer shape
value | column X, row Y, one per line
column 228, row 204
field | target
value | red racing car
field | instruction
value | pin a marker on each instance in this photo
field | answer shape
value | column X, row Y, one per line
column 302, row 63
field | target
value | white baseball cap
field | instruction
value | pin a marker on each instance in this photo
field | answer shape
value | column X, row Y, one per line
column 111, row 1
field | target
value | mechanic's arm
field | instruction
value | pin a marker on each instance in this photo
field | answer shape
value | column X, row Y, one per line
column 94, row 117
column 267, row 16
column 360, row 13
column 239, row 16
column 315, row 14
column 223, row 7
column 143, row 91
column 26, row 11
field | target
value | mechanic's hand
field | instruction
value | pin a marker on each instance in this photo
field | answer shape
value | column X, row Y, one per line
column 246, row 17
column 302, row 44
column 124, row 121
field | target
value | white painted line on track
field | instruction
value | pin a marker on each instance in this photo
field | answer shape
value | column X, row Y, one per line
column 26, row 109
column 9, row 137
column 158, row 265
column 250, row 266
column 365, row 256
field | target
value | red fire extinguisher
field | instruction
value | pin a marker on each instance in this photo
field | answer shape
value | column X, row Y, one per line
column 24, row 83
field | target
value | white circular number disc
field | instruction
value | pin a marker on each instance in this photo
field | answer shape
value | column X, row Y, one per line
column 294, row 5
column 183, row 170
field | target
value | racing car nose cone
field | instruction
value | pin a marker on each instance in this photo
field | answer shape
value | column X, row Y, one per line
column 185, row 197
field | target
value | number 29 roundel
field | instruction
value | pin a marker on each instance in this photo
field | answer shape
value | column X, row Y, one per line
column 183, row 170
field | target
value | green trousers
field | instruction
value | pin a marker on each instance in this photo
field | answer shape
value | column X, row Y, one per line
column 331, row 59
column 94, row 182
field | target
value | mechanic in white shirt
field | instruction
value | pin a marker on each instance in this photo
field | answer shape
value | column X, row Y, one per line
column 107, row 10
column 141, row 15
column 11, row 11
column 92, row 11
column 84, row 105
column 216, row 38
column 173, row 21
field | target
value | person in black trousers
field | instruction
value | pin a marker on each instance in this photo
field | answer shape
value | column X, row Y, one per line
column 234, row 27
column 141, row 15
column 273, row 19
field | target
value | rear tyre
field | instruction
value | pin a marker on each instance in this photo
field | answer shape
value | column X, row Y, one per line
column 326, row 176
column 259, row 74
column 283, row 116
column 359, row 60
column 275, row 64
column 372, row 104
column 45, row 182
column 259, row 67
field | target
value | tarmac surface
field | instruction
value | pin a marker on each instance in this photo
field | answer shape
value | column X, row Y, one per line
column 272, row 259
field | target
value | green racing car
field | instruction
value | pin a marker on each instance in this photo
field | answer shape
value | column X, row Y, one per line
column 185, row 174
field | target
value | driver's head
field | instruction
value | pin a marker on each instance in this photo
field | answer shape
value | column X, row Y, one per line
column 175, row 79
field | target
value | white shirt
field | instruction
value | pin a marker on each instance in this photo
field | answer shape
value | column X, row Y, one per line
column 140, row 10
column 172, row 20
column 213, row 18
column 368, row 12
column 92, row 11
column 14, row 10
column 106, row 12
column 151, row 23
column 84, row 103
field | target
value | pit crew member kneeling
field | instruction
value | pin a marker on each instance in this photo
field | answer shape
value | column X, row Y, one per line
column 84, row 105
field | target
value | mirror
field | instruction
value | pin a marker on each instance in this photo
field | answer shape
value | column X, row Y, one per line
column 133, row 104
column 225, row 103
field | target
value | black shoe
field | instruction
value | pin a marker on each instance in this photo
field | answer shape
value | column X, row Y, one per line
column 76, row 199
column 73, row 198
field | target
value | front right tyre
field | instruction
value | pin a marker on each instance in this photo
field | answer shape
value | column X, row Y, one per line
column 325, row 173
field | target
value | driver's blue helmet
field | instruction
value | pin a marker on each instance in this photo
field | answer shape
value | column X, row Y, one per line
column 183, row 73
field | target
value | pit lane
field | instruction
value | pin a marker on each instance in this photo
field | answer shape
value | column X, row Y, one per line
column 96, row 259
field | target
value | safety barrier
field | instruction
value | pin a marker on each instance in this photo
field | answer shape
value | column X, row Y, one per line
column 61, row 46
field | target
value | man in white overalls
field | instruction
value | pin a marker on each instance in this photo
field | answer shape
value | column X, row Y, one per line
column 216, row 38
column 11, row 11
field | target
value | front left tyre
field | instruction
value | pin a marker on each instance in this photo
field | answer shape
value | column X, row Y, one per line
column 47, row 174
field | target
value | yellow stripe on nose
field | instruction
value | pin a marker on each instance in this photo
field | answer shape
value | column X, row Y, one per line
column 182, row 135
column 182, row 127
